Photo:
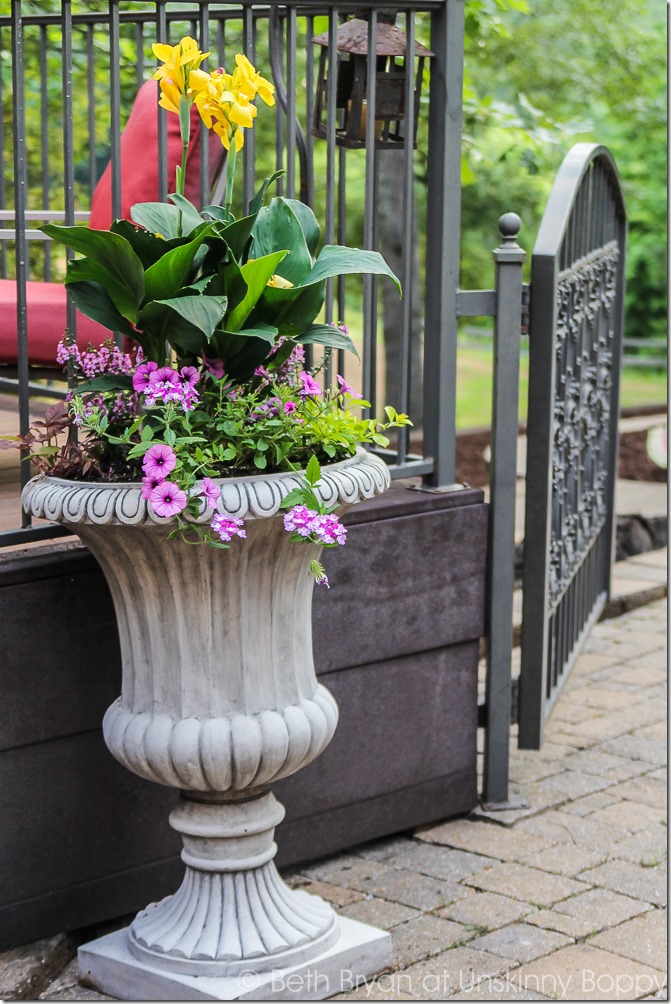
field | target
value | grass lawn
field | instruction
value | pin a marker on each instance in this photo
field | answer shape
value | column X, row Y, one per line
column 474, row 395
column 474, row 378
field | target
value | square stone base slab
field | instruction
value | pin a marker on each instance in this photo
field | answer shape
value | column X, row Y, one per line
column 360, row 952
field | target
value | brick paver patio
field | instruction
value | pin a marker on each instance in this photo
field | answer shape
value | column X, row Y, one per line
column 564, row 899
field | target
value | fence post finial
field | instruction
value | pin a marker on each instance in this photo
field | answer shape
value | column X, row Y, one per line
column 509, row 227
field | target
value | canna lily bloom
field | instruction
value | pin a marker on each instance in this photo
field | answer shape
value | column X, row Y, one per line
column 250, row 82
column 279, row 282
column 180, row 75
column 226, row 103
column 224, row 110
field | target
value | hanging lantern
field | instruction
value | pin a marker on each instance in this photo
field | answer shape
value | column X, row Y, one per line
column 352, row 81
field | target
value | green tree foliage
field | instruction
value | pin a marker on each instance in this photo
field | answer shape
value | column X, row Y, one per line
column 539, row 76
column 564, row 73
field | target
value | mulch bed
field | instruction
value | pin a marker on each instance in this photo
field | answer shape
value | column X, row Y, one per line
column 635, row 464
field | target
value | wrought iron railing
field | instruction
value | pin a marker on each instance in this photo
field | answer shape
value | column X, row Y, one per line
column 66, row 92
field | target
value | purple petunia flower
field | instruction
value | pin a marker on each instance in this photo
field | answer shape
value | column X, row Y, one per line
column 166, row 374
column 213, row 366
column 210, row 492
column 289, row 407
column 141, row 377
column 189, row 375
column 227, row 526
column 167, row 499
column 148, row 485
column 310, row 386
column 159, row 461
column 346, row 389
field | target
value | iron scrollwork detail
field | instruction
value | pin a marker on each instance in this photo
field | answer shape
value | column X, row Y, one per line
column 582, row 410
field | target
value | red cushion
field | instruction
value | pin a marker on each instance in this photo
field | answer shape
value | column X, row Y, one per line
column 46, row 323
column 139, row 183
column 139, row 159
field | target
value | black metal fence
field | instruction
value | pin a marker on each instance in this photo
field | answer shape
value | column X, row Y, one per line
column 67, row 90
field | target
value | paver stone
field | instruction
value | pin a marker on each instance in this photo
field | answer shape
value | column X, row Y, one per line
column 582, row 972
column 643, row 939
column 528, row 884
column 521, row 942
column 647, row 884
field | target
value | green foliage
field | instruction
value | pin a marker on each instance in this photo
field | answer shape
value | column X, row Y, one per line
column 202, row 284
column 538, row 82
column 271, row 424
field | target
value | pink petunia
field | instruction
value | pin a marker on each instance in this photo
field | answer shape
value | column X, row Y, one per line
column 167, row 499
column 166, row 374
column 141, row 377
column 159, row 461
column 346, row 389
column 190, row 375
column 310, row 386
column 148, row 485
column 214, row 366
column 210, row 492
column 289, row 407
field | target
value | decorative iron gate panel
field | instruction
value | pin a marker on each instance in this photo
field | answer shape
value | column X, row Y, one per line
column 575, row 346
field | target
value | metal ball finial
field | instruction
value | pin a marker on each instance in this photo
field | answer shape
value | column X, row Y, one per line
column 509, row 225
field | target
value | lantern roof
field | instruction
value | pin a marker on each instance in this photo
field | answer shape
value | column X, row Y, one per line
column 352, row 36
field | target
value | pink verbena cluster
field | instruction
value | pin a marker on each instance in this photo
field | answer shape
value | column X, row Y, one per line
column 107, row 358
column 323, row 528
column 164, row 385
column 227, row 527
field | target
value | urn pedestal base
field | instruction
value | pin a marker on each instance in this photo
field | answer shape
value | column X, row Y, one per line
column 359, row 952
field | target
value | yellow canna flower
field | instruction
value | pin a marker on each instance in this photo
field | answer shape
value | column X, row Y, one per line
column 250, row 82
column 279, row 282
column 225, row 100
column 170, row 95
column 241, row 112
column 198, row 81
column 227, row 132
column 180, row 72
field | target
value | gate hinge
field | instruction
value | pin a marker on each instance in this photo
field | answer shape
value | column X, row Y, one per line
column 526, row 301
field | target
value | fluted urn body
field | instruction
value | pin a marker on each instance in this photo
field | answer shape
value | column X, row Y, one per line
column 219, row 699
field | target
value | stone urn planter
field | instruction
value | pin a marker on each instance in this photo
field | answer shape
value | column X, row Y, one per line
column 219, row 700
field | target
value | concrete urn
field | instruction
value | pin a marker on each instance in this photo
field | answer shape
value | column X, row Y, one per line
column 219, row 699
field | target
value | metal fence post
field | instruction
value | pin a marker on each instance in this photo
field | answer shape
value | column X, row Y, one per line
column 21, row 252
column 442, row 240
column 503, row 476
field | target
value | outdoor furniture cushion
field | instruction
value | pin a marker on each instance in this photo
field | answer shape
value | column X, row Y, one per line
column 46, row 323
column 46, row 301
column 139, row 159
